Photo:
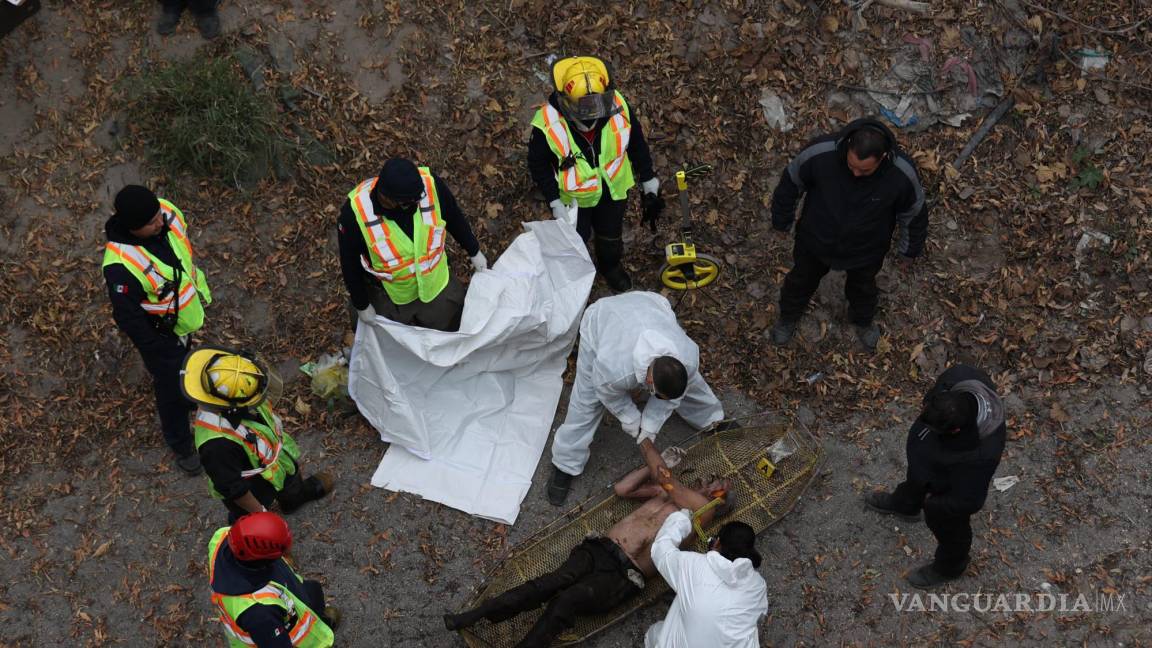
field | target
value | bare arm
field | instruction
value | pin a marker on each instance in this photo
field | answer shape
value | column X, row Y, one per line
column 636, row 485
column 681, row 495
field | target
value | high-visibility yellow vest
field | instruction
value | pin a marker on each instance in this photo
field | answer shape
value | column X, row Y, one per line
column 580, row 180
column 306, row 628
column 163, row 298
column 409, row 270
column 272, row 452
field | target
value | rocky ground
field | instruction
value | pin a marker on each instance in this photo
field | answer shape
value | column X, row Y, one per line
column 1037, row 269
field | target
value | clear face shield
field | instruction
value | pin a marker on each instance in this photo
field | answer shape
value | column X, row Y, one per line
column 590, row 107
column 275, row 388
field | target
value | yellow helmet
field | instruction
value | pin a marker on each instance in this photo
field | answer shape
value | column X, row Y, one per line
column 584, row 88
column 218, row 377
column 579, row 76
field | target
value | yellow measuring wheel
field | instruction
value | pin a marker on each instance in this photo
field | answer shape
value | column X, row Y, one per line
column 684, row 268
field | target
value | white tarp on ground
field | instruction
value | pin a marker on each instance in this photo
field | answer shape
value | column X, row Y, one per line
column 468, row 413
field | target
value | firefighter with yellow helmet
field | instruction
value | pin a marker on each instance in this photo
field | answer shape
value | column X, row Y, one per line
column 587, row 149
column 250, row 460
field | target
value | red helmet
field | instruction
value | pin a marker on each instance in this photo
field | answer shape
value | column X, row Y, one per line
column 260, row 536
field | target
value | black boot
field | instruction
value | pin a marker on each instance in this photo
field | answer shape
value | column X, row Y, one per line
column 881, row 502
column 927, row 576
column 466, row 619
column 618, row 279
column 166, row 23
column 209, row 25
column 609, row 254
column 558, row 487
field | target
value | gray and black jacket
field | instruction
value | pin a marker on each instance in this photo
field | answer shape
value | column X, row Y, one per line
column 847, row 221
column 957, row 468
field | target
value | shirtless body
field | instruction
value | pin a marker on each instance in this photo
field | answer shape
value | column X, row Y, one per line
column 665, row 495
column 596, row 576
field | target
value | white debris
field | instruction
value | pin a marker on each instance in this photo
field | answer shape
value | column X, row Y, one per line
column 774, row 111
column 1004, row 483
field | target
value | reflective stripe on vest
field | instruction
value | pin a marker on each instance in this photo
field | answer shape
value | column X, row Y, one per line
column 622, row 131
column 581, row 180
column 268, row 454
column 561, row 139
column 160, row 298
column 303, row 620
column 406, row 274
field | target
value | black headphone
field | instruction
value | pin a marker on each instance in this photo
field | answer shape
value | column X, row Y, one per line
column 889, row 139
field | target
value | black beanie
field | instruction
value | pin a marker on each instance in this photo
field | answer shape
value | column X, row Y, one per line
column 738, row 540
column 135, row 206
column 400, row 180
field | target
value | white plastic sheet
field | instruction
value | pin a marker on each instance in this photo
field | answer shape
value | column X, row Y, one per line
column 468, row 413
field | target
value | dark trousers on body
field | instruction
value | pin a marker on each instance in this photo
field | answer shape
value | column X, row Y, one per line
column 197, row 7
column 953, row 532
column 171, row 405
column 606, row 221
column 804, row 278
column 592, row 580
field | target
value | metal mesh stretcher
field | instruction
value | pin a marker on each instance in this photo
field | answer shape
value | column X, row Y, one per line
column 757, row 500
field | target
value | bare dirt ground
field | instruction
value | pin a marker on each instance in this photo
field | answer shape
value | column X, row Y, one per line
column 1037, row 269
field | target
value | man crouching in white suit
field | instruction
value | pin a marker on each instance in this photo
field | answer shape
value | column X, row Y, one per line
column 629, row 343
column 719, row 595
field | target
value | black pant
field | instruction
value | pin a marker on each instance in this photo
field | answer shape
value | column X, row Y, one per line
column 296, row 492
column 171, row 405
column 198, row 7
column 592, row 580
column 606, row 219
column 804, row 278
column 953, row 532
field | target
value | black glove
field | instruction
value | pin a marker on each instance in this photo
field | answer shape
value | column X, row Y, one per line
column 652, row 205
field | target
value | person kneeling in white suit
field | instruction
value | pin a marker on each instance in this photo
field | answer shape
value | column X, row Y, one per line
column 720, row 597
column 629, row 343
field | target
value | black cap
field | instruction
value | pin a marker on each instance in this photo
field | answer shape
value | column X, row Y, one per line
column 738, row 540
column 135, row 206
column 400, row 180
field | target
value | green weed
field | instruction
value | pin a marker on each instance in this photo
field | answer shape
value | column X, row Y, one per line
column 204, row 117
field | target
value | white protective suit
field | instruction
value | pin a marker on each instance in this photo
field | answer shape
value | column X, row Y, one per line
column 620, row 336
column 718, row 602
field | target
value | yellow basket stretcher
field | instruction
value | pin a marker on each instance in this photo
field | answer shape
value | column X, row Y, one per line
column 762, row 493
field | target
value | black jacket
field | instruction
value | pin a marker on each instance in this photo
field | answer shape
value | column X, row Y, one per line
column 353, row 246
column 224, row 460
column 956, row 469
column 265, row 623
column 847, row 221
column 157, row 344
column 543, row 163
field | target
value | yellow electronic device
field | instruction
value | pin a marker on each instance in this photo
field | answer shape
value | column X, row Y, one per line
column 678, row 253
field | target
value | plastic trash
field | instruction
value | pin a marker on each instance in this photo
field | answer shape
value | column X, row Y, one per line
column 1004, row 483
column 329, row 375
column 774, row 111
column 673, row 456
column 784, row 447
column 1093, row 59
column 814, row 377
